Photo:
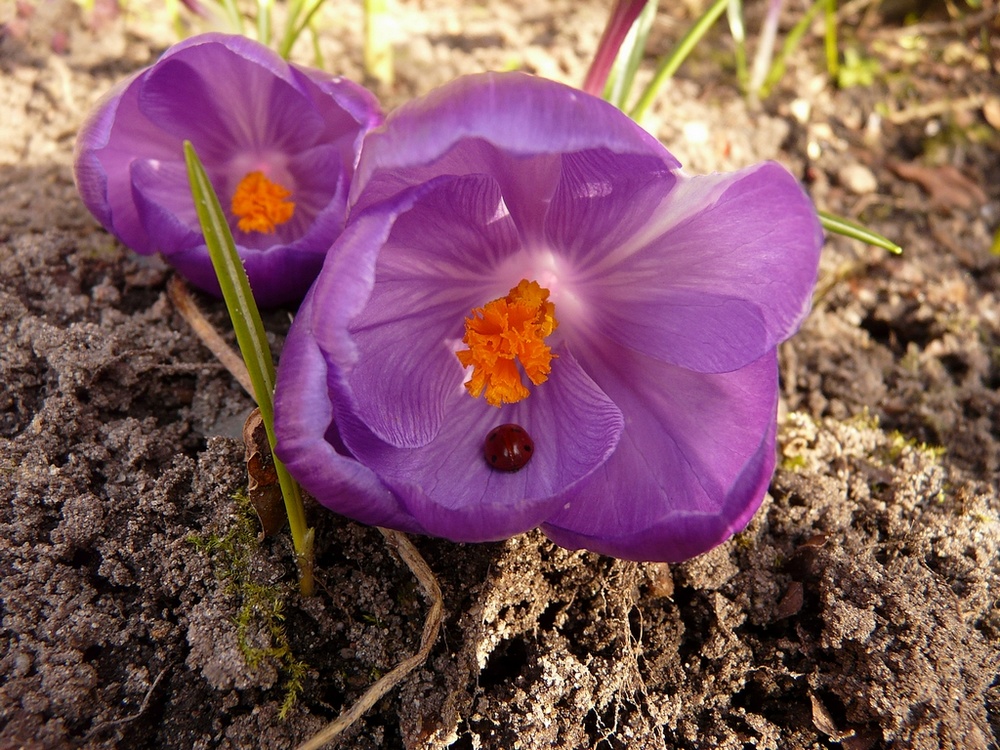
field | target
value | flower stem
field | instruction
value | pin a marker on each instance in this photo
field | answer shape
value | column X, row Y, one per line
column 253, row 345
column 670, row 63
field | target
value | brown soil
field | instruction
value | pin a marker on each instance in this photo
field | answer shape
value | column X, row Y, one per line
column 859, row 609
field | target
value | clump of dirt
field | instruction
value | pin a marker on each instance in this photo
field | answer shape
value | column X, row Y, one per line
column 139, row 609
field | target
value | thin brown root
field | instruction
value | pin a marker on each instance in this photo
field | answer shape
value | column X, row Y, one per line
column 432, row 592
column 189, row 310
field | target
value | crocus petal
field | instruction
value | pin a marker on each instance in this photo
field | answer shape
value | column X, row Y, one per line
column 307, row 443
column 709, row 276
column 165, row 210
column 102, row 161
column 692, row 464
column 431, row 273
column 450, row 489
column 245, row 110
column 263, row 111
column 509, row 125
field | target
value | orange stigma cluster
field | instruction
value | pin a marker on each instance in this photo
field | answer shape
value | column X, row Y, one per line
column 260, row 204
column 506, row 332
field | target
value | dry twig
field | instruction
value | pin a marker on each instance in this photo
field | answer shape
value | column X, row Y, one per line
column 210, row 337
column 432, row 591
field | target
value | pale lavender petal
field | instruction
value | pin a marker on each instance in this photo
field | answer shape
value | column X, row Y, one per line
column 719, row 272
column 165, row 208
column 451, row 490
column 347, row 109
column 511, row 126
column 692, row 465
column 261, row 113
column 306, row 443
column 103, row 153
column 433, row 271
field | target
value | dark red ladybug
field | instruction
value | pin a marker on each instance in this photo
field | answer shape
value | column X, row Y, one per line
column 508, row 447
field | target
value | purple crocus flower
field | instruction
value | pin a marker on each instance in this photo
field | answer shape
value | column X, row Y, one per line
column 279, row 142
column 521, row 253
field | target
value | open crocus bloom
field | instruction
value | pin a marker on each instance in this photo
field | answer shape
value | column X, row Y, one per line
column 520, row 252
column 279, row 143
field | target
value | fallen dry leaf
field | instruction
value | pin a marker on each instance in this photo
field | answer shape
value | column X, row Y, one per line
column 947, row 187
column 262, row 480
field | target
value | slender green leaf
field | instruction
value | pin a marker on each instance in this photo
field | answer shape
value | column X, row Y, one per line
column 629, row 57
column 734, row 15
column 233, row 14
column 264, row 8
column 292, row 13
column 830, row 38
column 848, row 228
column 792, row 41
column 670, row 63
column 300, row 14
column 252, row 341
column 378, row 43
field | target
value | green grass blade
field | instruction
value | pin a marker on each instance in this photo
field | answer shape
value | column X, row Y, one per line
column 300, row 14
column 232, row 12
column 670, row 63
column 264, row 8
column 293, row 11
column 848, row 228
column 629, row 57
column 252, row 341
column 830, row 40
column 378, row 45
column 734, row 15
column 792, row 41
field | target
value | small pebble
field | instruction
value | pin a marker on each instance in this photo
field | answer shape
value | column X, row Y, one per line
column 858, row 179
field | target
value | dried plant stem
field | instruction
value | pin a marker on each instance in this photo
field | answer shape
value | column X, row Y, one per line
column 184, row 303
column 432, row 592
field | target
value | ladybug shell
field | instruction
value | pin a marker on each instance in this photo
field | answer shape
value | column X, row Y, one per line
column 508, row 447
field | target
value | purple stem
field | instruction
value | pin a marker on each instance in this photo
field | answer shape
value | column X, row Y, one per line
column 623, row 15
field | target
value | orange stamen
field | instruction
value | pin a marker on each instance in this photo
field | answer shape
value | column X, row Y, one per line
column 260, row 204
column 504, row 333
